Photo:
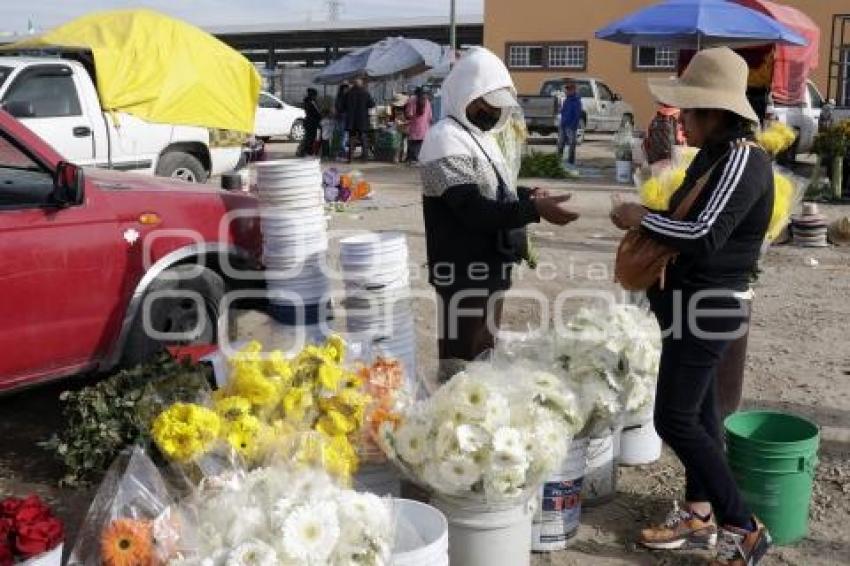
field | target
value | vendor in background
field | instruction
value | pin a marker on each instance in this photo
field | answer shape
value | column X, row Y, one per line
column 474, row 218
column 418, row 112
column 339, row 118
column 702, row 303
column 399, row 118
column 358, row 102
column 312, row 122
column 665, row 131
column 571, row 111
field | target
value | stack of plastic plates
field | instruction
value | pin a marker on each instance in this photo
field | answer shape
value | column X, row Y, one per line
column 295, row 238
column 377, row 294
column 810, row 228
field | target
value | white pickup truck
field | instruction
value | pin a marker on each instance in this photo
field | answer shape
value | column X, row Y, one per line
column 56, row 99
column 803, row 118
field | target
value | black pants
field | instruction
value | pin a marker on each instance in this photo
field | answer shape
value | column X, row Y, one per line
column 413, row 148
column 307, row 147
column 464, row 328
column 686, row 407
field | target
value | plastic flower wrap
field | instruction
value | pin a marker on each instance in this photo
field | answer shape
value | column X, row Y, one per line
column 281, row 516
column 655, row 192
column 611, row 356
column 485, row 435
column 776, row 138
column 132, row 519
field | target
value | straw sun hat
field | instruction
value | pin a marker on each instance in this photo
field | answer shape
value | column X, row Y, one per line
column 716, row 79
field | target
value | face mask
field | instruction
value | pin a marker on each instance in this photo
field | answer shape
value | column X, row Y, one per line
column 485, row 120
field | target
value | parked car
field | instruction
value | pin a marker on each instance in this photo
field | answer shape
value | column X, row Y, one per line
column 57, row 99
column 803, row 118
column 277, row 119
column 86, row 251
column 603, row 109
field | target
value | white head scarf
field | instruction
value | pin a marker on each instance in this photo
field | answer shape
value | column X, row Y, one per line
column 478, row 72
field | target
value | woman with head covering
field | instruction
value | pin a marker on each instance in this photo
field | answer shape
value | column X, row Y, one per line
column 701, row 304
column 474, row 218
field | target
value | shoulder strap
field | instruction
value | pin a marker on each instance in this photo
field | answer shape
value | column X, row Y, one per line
column 502, row 186
column 688, row 202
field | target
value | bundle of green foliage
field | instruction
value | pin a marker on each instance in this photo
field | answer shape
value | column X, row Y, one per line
column 542, row 165
column 102, row 419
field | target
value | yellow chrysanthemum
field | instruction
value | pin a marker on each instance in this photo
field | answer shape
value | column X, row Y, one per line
column 336, row 423
column 335, row 347
column 249, row 382
column 339, row 457
column 296, row 402
column 776, row 138
column 232, row 408
column 277, row 366
column 329, row 376
column 783, row 203
column 655, row 193
column 244, row 436
column 185, row 431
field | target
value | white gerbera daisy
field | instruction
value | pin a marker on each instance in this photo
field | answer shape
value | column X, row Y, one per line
column 311, row 532
column 506, row 481
column 412, row 442
column 446, row 442
column 471, row 438
column 252, row 553
column 498, row 412
column 459, row 473
column 472, row 398
column 281, row 510
column 509, row 446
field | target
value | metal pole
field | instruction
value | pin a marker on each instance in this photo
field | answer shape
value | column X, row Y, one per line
column 453, row 25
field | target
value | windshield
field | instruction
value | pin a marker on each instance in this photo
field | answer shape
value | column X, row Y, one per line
column 4, row 74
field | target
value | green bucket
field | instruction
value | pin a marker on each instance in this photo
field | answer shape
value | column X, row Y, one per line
column 773, row 457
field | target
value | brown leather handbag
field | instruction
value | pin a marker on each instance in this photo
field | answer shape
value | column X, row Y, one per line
column 642, row 260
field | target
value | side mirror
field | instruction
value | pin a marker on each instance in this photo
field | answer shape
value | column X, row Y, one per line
column 20, row 108
column 68, row 185
column 278, row 105
column 617, row 97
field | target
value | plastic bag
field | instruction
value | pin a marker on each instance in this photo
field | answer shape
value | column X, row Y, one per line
column 131, row 519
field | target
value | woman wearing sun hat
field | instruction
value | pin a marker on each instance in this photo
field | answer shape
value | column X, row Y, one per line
column 700, row 304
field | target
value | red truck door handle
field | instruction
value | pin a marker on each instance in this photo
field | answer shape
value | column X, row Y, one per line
column 81, row 132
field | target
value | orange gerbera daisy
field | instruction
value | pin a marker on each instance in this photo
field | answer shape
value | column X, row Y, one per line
column 127, row 542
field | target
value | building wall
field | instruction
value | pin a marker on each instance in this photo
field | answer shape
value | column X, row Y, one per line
column 540, row 21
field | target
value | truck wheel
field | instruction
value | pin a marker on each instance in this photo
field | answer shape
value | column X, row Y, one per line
column 297, row 132
column 183, row 166
column 176, row 314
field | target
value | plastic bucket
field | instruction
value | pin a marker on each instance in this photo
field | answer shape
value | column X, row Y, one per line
column 773, row 457
column 600, row 477
column 624, row 172
column 558, row 513
column 380, row 479
column 482, row 537
column 421, row 535
column 639, row 444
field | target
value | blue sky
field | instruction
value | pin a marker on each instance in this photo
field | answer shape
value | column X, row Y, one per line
column 14, row 14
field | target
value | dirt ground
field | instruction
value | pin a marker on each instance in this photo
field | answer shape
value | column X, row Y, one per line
column 799, row 361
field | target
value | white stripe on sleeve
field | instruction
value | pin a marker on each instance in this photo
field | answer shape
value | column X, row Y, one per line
column 719, row 199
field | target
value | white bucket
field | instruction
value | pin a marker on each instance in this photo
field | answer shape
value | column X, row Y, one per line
column 380, row 479
column 600, row 477
column 624, row 171
column 421, row 535
column 639, row 444
column 558, row 513
column 479, row 537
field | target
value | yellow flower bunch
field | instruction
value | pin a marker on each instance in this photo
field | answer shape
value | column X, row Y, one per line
column 335, row 454
column 185, row 431
column 656, row 192
column 785, row 197
column 776, row 138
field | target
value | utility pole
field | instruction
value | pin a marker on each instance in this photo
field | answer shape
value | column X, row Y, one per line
column 453, row 26
column 334, row 9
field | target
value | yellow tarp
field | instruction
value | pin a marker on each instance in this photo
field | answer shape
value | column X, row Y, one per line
column 161, row 69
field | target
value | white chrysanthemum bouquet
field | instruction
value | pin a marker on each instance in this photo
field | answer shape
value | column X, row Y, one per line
column 278, row 516
column 491, row 435
column 611, row 358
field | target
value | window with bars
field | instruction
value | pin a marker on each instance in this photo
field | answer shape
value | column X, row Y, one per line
column 656, row 58
column 566, row 55
column 525, row 56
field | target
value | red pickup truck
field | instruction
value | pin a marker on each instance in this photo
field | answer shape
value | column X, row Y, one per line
column 99, row 268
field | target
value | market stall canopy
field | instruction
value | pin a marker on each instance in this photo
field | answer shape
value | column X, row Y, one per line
column 391, row 57
column 160, row 69
column 792, row 64
column 698, row 24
